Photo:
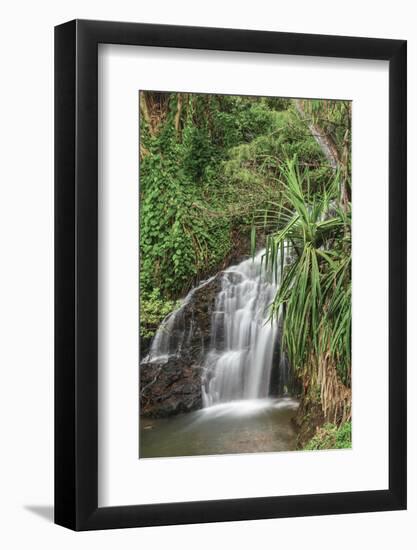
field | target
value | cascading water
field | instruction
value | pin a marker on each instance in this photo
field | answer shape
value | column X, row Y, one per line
column 244, row 338
column 244, row 341
column 219, row 350
column 173, row 334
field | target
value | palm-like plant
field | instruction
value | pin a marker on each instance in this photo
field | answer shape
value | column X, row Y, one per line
column 309, row 250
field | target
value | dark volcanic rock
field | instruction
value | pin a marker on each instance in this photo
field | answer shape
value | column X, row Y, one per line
column 173, row 385
column 170, row 388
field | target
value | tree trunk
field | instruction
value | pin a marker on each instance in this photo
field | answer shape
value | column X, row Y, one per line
column 336, row 159
column 178, row 114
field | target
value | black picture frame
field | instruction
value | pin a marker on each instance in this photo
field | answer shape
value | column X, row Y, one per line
column 76, row 272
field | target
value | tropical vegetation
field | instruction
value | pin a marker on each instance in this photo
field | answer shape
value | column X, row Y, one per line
column 223, row 175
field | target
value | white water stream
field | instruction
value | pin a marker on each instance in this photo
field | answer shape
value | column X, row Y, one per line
column 241, row 363
column 244, row 341
column 243, row 337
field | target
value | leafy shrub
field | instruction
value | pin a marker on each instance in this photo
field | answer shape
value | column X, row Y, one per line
column 329, row 436
column 153, row 310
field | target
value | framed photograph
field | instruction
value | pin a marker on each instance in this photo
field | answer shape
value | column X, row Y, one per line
column 230, row 285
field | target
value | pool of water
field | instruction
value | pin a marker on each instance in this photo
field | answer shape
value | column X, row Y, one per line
column 249, row 426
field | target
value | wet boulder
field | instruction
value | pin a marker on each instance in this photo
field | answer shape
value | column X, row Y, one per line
column 171, row 374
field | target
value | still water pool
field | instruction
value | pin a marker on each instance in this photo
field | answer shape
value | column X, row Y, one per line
column 249, row 426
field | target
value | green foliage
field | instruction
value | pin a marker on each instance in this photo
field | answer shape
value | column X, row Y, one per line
column 178, row 239
column 164, row 249
column 329, row 436
column 188, row 211
column 215, row 165
column 333, row 121
column 153, row 310
column 215, row 176
column 333, row 117
column 253, row 169
column 313, row 233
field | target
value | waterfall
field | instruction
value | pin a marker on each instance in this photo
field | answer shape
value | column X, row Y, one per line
column 244, row 338
column 173, row 334
column 241, row 343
